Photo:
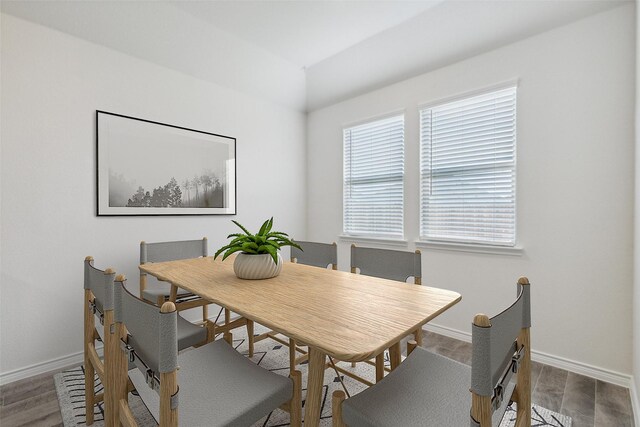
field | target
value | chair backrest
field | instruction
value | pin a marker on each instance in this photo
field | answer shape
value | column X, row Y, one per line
column 316, row 254
column 98, row 299
column 387, row 264
column 501, row 346
column 96, row 281
column 169, row 251
column 147, row 336
column 152, row 334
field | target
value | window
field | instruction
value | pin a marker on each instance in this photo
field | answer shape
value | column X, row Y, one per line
column 373, row 178
column 467, row 170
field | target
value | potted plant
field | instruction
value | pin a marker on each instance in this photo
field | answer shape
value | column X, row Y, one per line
column 259, row 256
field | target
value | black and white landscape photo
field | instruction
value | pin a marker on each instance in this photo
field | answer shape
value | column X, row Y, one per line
column 149, row 168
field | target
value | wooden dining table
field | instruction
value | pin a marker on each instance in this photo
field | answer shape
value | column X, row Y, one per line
column 350, row 317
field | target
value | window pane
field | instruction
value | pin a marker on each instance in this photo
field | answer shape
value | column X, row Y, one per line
column 374, row 178
column 468, row 170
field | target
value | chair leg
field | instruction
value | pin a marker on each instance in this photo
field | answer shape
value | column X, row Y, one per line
column 228, row 337
column 89, row 388
column 481, row 409
column 205, row 313
column 418, row 335
column 395, row 355
column 168, row 387
column 292, row 355
column 89, row 335
column 353, row 364
column 411, row 345
column 379, row 367
column 295, row 406
column 336, row 408
column 250, row 337
column 523, row 417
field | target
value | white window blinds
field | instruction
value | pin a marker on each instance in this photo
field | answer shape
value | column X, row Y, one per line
column 373, row 178
column 468, row 170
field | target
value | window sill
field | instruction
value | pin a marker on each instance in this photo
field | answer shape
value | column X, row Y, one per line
column 468, row 247
column 379, row 240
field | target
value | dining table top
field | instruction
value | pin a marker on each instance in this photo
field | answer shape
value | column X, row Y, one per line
column 348, row 316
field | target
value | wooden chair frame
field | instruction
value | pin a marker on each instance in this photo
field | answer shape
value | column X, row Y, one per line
column 169, row 385
column 213, row 328
column 92, row 363
column 186, row 305
column 379, row 360
column 481, row 406
column 481, row 409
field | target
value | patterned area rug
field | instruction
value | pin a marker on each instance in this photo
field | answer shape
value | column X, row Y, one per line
column 268, row 354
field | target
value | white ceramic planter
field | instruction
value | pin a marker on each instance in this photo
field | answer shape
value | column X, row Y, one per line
column 248, row 266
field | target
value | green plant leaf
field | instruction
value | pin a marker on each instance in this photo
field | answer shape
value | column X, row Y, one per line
column 241, row 227
column 263, row 228
column 277, row 233
column 263, row 242
column 239, row 240
column 273, row 243
column 222, row 249
column 250, row 247
column 269, row 226
column 273, row 252
column 230, row 251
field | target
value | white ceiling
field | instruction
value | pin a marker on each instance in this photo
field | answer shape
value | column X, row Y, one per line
column 305, row 32
column 346, row 47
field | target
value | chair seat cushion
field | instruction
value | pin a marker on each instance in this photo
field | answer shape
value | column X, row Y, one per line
column 189, row 334
column 425, row 390
column 221, row 387
column 152, row 292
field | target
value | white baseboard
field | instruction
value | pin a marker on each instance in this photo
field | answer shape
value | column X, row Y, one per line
column 635, row 402
column 448, row 332
column 63, row 362
column 601, row 374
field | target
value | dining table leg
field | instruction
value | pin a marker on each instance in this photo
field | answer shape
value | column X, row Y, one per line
column 173, row 295
column 395, row 354
column 380, row 367
column 317, row 360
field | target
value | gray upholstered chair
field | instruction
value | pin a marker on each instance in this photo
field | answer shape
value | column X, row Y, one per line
column 160, row 291
column 98, row 301
column 429, row 389
column 218, row 386
column 169, row 251
column 388, row 264
column 316, row 254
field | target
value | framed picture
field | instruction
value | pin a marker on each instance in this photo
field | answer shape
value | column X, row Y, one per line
column 151, row 168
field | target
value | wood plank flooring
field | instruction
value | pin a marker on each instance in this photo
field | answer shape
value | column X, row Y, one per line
column 591, row 403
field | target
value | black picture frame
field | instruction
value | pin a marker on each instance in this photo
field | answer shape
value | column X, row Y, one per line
column 149, row 168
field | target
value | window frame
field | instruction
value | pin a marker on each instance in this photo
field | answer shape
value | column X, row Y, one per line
column 367, row 236
column 465, row 244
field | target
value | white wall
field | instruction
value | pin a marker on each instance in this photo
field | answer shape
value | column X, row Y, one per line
column 52, row 83
column 635, row 387
column 155, row 31
column 575, row 186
